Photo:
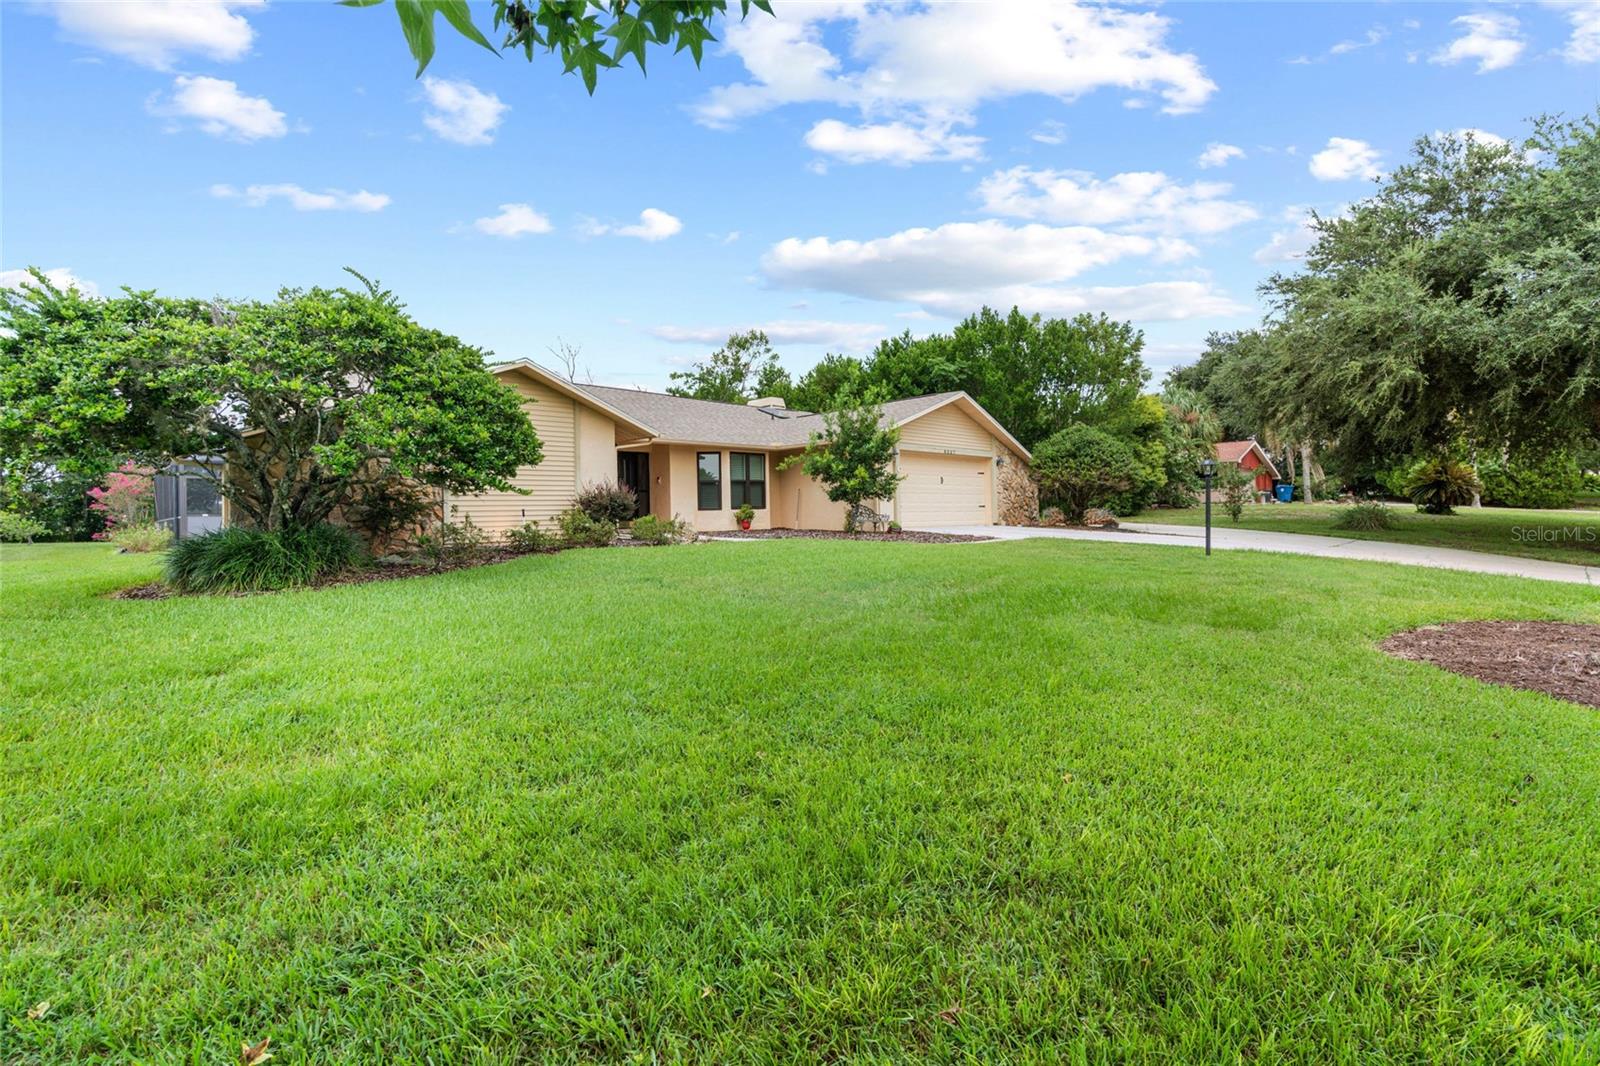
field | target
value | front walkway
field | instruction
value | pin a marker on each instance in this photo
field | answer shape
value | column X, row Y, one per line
column 1302, row 544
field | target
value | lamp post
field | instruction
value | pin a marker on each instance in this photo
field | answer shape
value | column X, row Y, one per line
column 1208, row 470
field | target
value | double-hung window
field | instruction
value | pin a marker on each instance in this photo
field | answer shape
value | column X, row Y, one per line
column 710, row 480
column 747, row 479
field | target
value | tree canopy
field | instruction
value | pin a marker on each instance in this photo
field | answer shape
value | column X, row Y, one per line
column 745, row 368
column 591, row 35
column 316, row 400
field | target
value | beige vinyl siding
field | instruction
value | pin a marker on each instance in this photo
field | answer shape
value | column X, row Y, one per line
column 949, row 429
column 597, row 447
column 553, row 482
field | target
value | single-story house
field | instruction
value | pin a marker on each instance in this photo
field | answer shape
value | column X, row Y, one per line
column 700, row 460
column 1248, row 455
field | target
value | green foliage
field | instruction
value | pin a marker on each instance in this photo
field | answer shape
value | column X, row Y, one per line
column 1549, row 480
column 17, row 529
column 1082, row 467
column 829, row 384
column 528, row 537
column 734, row 373
column 579, row 530
column 345, row 389
column 745, row 513
column 607, row 501
column 391, row 510
column 853, row 457
column 1366, row 516
column 1237, row 487
column 237, row 559
column 578, row 29
column 1144, row 425
column 648, row 529
column 56, row 499
column 140, row 537
column 1439, row 484
column 1458, row 299
column 452, row 544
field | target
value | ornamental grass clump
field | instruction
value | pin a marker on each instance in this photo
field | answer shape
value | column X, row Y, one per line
column 1366, row 516
column 251, row 560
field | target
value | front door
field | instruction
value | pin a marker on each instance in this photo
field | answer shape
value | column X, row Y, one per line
column 633, row 470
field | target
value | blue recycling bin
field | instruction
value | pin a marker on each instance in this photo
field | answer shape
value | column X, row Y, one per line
column 1284, row 491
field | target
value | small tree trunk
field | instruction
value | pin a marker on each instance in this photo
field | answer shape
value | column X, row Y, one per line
column 1305, row 470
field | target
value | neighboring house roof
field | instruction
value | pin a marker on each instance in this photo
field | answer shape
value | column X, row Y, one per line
column 1234, row 451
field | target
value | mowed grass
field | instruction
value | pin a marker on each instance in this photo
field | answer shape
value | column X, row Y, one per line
column 1560, row 536
column 791, row 801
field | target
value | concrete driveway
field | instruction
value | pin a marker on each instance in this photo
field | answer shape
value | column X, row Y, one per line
column 1228, row 538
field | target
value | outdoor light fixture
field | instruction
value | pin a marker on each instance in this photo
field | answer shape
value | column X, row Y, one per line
column 1208, row 470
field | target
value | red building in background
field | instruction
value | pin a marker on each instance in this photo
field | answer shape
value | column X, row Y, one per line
column 1248, row 455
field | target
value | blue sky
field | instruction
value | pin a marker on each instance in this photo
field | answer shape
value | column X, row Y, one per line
column 835, row 174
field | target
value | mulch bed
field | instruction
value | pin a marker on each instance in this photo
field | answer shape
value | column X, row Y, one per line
column 905, row 536
column 1558, row 658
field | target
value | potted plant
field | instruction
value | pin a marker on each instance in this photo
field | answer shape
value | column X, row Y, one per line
column 745, row 514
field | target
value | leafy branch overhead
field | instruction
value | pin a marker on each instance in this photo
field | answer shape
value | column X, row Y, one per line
column 591, row 35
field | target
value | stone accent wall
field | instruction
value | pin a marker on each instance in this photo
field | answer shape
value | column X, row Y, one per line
column 1018, row 494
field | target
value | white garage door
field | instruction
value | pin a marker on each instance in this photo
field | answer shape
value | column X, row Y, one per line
column 943, row 490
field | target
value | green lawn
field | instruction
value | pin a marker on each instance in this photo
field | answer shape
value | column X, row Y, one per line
column 1562, row 536
column 789, row 801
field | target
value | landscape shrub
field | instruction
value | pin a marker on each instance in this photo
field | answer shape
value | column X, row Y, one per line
column 1052, row 516
column 17, row 529
column 648, row 529
column 451, row 544
column 238, row 559
column 126, row 499
column 528, row 537
column 1238, row 488
column 392, row 511
column 580, row 530
column 1082, row 467
column 607, row 501
column 1437, row 485
column 1367, row 516
column 1552, row 480
column 141, row 538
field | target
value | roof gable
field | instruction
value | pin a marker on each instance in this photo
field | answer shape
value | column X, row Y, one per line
column 1234, row 451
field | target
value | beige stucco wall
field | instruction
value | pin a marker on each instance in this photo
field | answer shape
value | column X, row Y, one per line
column 678, row 495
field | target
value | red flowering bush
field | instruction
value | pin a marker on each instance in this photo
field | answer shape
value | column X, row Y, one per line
column 126, row 499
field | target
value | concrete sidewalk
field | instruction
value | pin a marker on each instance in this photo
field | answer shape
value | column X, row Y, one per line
column 1228, row 538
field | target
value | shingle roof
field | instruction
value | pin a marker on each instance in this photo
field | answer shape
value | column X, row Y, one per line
column 677, row 418
column 1234, row 451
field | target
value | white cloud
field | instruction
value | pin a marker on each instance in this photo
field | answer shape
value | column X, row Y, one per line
column 951, row 269
column 1584, row 44
column 1472, row 133
column 1372, row 37
column 1490, row 38
column 892, row 142
column 1140, row 200
column 837, row 335
column 1291, row 244
column 60, row 277
column 1345, row 158
column 460, row 112
column 155, row 32
column 220, row 109
column 514, row 220
column 930, row 67
column 1050, row 132
column 1218, row 154
column 653, row 225
column 303, row 199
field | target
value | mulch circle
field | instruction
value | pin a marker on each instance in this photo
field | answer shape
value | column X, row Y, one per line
column 1561, row 659
column 904, row 536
